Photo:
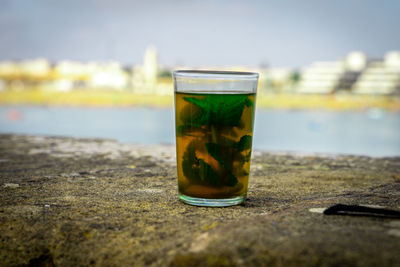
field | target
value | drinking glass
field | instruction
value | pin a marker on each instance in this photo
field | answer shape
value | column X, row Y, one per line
column 214, row 119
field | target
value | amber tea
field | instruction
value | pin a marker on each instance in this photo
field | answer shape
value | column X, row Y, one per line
column 213, row 138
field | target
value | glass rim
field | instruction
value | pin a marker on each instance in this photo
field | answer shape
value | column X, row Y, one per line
column 216, row 74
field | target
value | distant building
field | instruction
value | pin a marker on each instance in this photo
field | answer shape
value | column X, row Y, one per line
column 24, row 74
column 329, row 77
column 275, row 79
column 144, row 77
column 355, row 73
column 150, row 65
column 2, row 85
column 355, row 61
column 321, row 77
column 9, row 70
column 35, row 69
column 380, row 77
column 109, row 76
column 67, row 69
column 101, row 75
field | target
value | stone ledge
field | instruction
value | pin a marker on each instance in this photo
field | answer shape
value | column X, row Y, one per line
column 68, row 202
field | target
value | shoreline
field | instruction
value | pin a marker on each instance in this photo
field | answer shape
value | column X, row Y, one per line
column 103, row 99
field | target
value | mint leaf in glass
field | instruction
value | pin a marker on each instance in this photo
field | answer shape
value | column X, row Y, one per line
column 207, row 174
column 197, row 170
column 244, row 143
column 224, row 157
column 219, row 110
column 190, row 163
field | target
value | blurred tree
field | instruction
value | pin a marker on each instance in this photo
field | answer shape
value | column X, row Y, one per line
column 295, row 77
column 165, row 73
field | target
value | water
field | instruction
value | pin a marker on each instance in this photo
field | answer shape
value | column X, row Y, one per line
column 374, row 133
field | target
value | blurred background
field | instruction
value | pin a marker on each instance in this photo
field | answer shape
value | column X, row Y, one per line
column 329, row 70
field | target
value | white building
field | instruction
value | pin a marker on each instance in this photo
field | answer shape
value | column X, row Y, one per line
column 144, row 77
column 8, row 69
column 38, row 68
column 109, row 76
column 277, row 78
column 150, row 65
column 321, row 77
column 104, row 75
column 71, row 69
column 327, row 77
column 380, row 77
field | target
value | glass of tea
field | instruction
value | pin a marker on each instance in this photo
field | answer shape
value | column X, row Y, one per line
column 214, row 120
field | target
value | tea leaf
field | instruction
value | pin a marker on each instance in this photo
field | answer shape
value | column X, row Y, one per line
column 201, row 103
column 197, row 170
column 232, row 181
column 208, row 175
column 219, row 110
column 209, row 115
column 242, row 172
column 246, row 158
column 183, row 130
column 244, row 143
column 216, row 151
column 225, row 141
column 249, row 103
column 193, row 116
column 180, row 130
column 224, row 156
column 190, row 162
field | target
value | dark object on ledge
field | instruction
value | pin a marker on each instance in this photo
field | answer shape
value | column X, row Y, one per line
column 356, row 210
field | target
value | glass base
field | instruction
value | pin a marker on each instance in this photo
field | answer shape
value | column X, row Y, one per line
column 212, row 202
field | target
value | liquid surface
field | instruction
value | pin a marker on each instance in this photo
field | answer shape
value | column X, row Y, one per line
column 214, row 135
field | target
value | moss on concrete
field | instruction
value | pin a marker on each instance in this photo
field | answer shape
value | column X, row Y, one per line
column 69, row 202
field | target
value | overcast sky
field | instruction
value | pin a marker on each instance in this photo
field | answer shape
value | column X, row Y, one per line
column 277, row 33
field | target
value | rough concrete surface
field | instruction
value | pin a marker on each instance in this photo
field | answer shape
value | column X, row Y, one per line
column 79, row 202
